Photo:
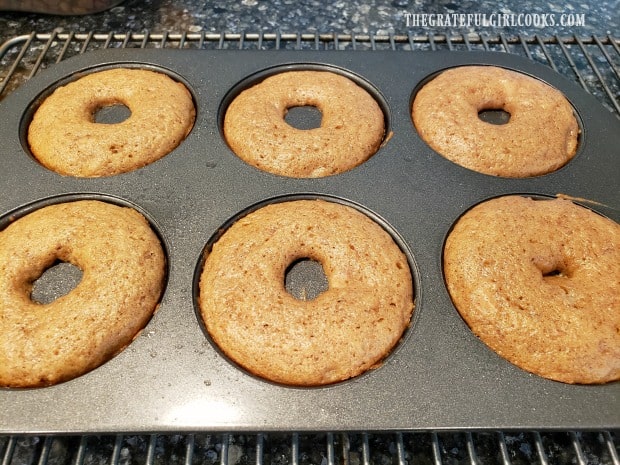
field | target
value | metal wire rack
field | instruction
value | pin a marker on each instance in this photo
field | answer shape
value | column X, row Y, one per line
column 593, row 62
column 325, row 449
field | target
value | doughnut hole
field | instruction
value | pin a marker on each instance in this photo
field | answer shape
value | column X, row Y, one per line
column 496, row 116
column 305, row 279
column 493, row 111
column 57, row 280
column 303, row 117
column 111, row 113
column 553, row 270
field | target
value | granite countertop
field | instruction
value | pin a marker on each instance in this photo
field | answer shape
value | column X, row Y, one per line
column 586, row 17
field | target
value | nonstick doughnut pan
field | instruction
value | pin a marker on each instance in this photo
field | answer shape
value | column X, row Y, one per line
column 171, row 378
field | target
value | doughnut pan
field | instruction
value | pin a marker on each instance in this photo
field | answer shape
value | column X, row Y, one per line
column 171, row 378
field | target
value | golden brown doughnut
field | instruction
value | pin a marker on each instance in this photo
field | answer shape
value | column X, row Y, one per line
column 538, row 281
column 341, row 333
column 540, row 137
column 64, row 137
column 123, row 272
column 351, row 131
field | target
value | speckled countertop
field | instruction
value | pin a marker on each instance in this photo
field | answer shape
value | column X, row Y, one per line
column 566, row 17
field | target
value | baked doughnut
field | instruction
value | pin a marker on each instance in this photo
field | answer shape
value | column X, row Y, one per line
column 65, row 138
column 346, row 330
column 540, row 136
column 538, row 281
column 123, row 272
column 351, row 131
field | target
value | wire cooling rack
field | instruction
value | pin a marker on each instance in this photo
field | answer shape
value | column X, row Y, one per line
column 594, row 62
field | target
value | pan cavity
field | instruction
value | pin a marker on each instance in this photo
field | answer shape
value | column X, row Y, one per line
column 114, row 120
column 304, row 121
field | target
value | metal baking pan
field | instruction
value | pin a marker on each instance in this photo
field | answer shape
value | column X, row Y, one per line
column 171, row 378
